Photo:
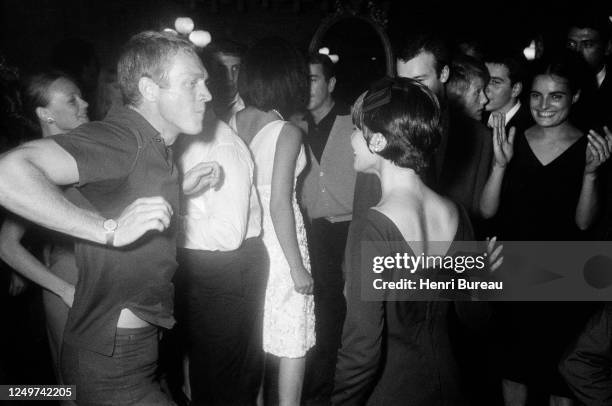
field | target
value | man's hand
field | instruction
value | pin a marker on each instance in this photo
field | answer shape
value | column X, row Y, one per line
column 18, row 284
column 143, row 215
column 494, row 253
column 202, row 176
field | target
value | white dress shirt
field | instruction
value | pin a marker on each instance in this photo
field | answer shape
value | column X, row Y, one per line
column 509, row 114
column 601, row 76
column 219, row 219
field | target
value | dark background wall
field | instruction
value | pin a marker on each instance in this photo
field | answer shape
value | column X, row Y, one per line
column 29, row 29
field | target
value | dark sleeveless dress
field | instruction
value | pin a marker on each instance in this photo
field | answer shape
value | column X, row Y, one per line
column 394, row 352
column 538, row 203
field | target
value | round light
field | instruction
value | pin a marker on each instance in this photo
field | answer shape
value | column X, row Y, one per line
column 530, row 51
column 184, row 25
column 200, row 38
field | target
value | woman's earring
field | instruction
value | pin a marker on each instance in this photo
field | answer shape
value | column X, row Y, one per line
column 50, row 120
column 377, row 143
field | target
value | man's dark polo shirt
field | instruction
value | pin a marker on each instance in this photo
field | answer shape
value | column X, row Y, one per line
column 121, row 159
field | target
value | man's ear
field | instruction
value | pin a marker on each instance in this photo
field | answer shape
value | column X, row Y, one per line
column 377, row 142
column 148, row 89
column 444, row 74
column 331, row 85
column 517, row 88
column 576, row 97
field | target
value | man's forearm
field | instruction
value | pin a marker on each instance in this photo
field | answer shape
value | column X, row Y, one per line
column 27, row 190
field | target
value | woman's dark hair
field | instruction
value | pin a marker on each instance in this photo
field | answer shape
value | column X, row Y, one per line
column 35, row 91
column 274, row 75
column 567, row 66
column 407, row 114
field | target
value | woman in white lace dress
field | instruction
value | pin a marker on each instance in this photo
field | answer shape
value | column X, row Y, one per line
column 274, row 85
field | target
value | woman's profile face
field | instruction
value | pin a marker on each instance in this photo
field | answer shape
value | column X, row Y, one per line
column 66, row 107
column 364, row 158
column 550, row 100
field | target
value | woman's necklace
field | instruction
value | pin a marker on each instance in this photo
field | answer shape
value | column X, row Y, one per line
column 279, row 114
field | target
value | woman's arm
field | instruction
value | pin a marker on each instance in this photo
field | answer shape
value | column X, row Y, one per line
column 359, row 357
column 503, row 149
column 18, row 258
column 281, row 207
column 597, row 152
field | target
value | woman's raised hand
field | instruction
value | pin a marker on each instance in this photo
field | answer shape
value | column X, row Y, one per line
column 503, row 145
column 598, row 150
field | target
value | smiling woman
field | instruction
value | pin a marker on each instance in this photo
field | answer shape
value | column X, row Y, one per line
column 542, row 187
column 54, row 101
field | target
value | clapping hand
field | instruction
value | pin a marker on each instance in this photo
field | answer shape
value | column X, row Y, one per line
column 503, row 146
column 202, row 176
column 598, row 150
column 143, row 215
column 494, row 254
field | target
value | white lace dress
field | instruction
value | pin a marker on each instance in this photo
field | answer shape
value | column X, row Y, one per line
column 288, row 315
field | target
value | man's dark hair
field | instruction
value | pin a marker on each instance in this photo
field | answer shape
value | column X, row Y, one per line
column 463, row 70
column 594, row 20
column 148, row 54
column 325, row 62
column 413, row 45
column 228, row 47
column 274, row 75
column 514, row 62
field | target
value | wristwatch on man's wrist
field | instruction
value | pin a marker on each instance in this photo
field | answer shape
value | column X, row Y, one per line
column 110, row 226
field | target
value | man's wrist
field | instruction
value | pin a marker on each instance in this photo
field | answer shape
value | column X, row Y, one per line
column 110, row 226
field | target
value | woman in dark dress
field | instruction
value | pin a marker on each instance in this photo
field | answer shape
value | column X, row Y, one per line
column 398, row 352
column 543, row 187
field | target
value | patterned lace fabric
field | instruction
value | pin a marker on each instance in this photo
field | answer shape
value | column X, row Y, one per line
column 288, row 315
column 289, row 322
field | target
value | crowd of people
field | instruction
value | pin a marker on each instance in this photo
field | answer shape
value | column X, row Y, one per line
column 211, row 221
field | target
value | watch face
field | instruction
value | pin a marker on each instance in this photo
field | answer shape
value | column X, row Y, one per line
column 110, row 225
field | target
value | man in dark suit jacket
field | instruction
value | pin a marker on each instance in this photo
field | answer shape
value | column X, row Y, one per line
column 506, row 83
column 587, row 366
column 461, row 161
column 465, row 165
column 589, row 35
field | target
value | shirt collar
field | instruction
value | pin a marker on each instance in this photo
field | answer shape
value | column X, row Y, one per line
column 509, row 114
column 133, row 119
column 512, row 112
column 601, row 76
